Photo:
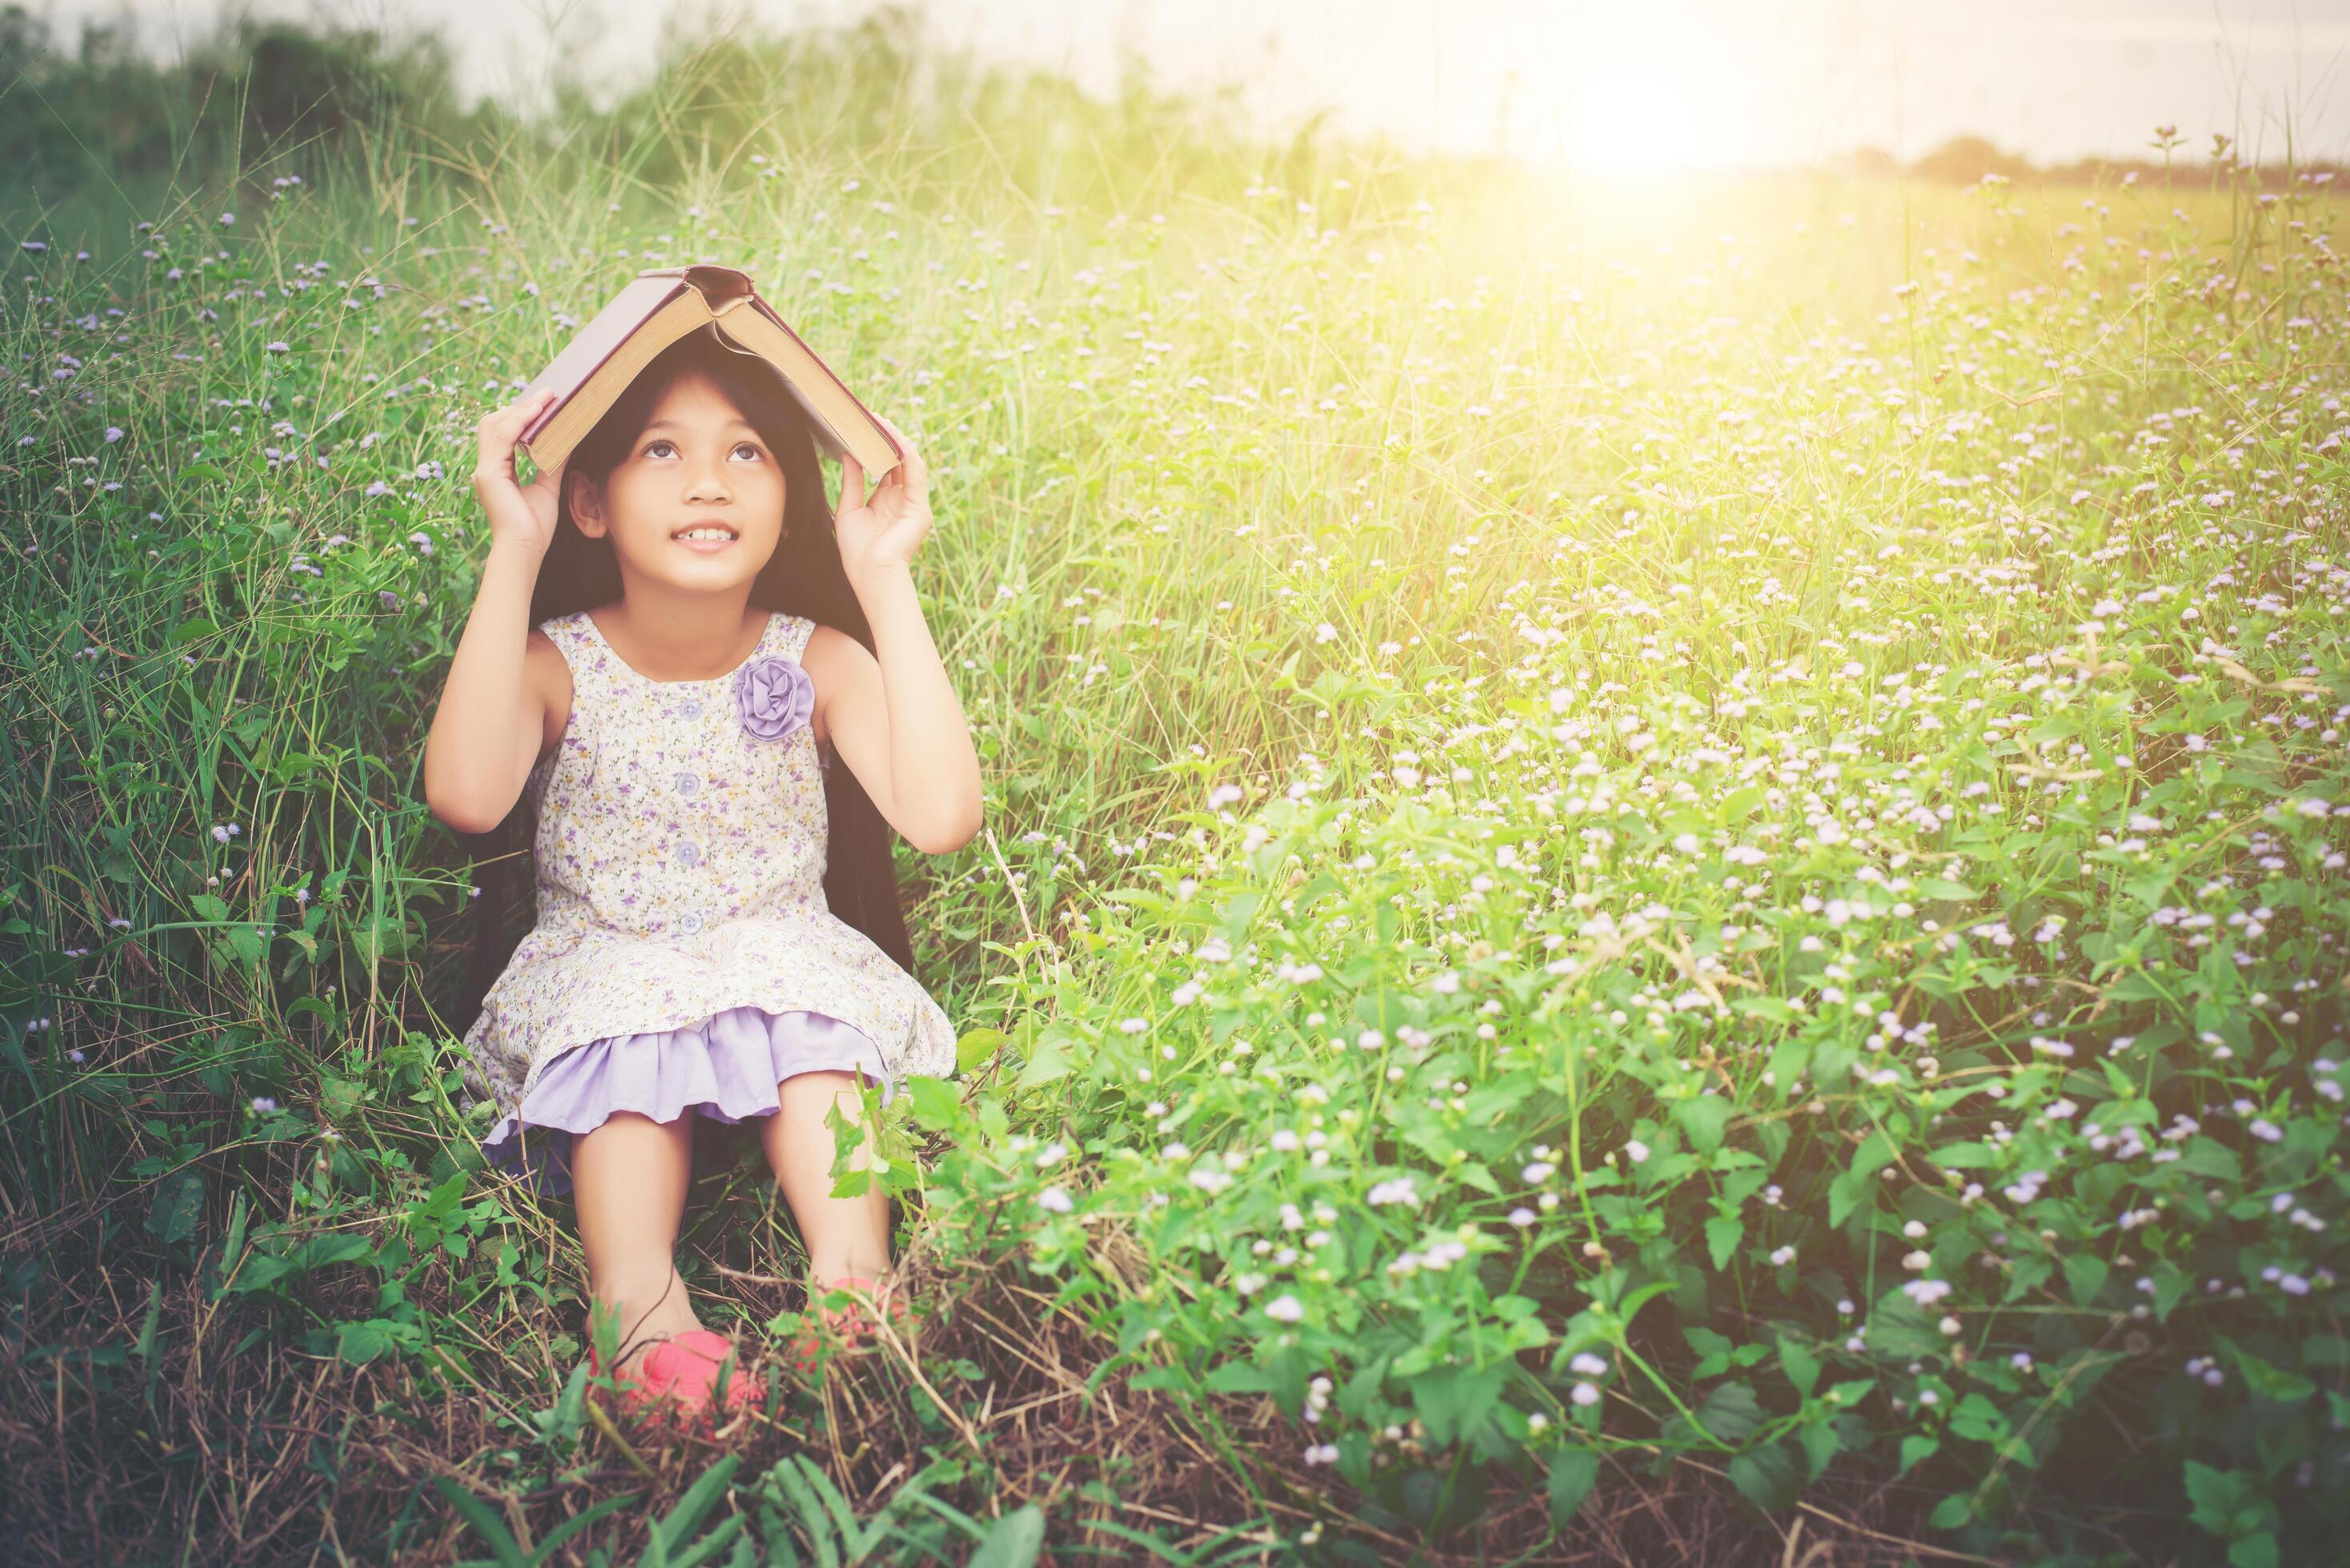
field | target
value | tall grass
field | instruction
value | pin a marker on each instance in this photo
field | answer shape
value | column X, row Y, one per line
column 1656, row 860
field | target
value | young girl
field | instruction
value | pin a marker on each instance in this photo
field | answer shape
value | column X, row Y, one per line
column 672, row 644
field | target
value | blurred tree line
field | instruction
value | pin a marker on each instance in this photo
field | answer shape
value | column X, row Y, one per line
column 1965, row 160
column 250, row 87
column 85, row 132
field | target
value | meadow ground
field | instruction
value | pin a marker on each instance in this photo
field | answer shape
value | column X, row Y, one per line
column 1661, row 864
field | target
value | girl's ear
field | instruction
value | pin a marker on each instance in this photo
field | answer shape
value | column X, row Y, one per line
column 586, row 505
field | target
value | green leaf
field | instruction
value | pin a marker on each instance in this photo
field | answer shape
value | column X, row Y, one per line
column 1897, row 1327
column 1014, row 1542
column 1802, row 1368
column 327, row 1248
column 1769, row 1477
column 1050, row 1061
column 1723, row 1234
column 177, row 1206
column 1241, row 1377
column 1916, row 1448
column 1859, row 1180
column 357, row 1343
column 669, row 1536
column 1712, row 1349
column 1702, row 1117
column 2253, row 1550
column 1572, row 1472
column 337, row 1096
column 2086, row 1276
column 1731, row 1413
column 442, row 1202
column 1979, row 1420
column 1820, row 1443
column 2208, row 1158
column 476, row 1513
column 936, row 1103
column 975, row 1047
column 1450, row 1399
column 2212, row 1495
column 1847, row 1395
column 580, row 1520
column 2268, row 1382
column 1952, row 1511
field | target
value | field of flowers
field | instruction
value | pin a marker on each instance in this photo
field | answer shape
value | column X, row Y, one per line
column 1685, row 845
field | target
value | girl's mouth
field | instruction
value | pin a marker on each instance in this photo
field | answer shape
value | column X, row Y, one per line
column 705, row 538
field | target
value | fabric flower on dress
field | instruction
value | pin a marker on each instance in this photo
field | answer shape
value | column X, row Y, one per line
column 774, row 696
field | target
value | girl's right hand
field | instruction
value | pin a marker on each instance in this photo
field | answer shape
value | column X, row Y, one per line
column 522, row 516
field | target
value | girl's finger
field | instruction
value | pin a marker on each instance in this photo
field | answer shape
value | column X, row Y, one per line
column 501, row 430
column 910, row 470
column 852, row 483
column 522, row 410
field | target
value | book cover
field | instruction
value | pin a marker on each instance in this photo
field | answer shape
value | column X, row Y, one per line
column 655, row 308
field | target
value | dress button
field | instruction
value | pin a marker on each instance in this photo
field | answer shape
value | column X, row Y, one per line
column 687, row 783
column 689, row 854
column 689, row 923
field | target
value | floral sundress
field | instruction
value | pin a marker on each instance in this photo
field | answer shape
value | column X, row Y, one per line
column 683, row 955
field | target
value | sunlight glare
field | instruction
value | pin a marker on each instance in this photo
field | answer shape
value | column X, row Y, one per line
column 1637, row 96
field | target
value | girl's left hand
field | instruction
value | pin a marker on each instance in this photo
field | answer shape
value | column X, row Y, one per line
column 881, row 532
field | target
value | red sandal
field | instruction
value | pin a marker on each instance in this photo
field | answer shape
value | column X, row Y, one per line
column 678, row 1377
column 853, row 1325
column 713, row 1351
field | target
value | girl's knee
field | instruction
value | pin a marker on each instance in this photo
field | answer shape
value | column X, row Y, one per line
column 824, row 1081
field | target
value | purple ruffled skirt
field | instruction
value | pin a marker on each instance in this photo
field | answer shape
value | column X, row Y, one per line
column 727, row 1069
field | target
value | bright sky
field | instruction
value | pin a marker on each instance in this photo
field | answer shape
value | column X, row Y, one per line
column 1614, row 85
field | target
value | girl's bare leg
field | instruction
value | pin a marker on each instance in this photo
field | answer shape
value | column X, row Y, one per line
column 844, row 1235
column 628, row 1179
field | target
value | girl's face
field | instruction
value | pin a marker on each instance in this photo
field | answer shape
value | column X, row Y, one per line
column 698, row 501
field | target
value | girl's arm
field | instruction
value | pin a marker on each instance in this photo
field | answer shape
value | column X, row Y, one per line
column 896, row 723
column 891, row 713
column 492, row 721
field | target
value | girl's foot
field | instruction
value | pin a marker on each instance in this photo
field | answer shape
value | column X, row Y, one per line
column 853, row 1325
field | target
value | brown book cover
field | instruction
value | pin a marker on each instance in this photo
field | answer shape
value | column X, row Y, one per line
column 653, row 310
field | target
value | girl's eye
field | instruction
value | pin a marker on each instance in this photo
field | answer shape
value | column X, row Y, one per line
column 664, row 441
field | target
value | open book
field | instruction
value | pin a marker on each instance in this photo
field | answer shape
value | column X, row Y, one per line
column 655, row 308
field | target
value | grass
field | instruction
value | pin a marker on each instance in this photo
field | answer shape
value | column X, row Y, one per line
column 1663, row 877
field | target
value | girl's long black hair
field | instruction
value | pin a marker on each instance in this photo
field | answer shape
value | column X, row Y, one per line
column 804, row 577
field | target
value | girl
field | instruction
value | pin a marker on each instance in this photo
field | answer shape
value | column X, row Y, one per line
column 672, row 644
